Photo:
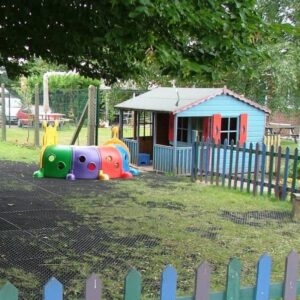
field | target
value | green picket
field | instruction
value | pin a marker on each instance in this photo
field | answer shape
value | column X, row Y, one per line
column 133, row 286
column 233, row 280
column 9, row 292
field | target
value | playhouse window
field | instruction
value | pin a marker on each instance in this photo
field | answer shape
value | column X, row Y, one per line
column 182, row 129
column 229, row 130
column 146, row 123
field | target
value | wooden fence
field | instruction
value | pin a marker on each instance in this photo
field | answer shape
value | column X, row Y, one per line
column 263, row 290
column 255, row 168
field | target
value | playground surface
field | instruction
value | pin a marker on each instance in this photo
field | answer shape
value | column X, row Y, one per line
column 69, row 229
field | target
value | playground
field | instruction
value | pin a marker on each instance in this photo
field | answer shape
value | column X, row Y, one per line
column 69, row 229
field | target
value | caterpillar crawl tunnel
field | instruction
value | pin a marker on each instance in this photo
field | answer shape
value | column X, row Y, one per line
column 86, row 162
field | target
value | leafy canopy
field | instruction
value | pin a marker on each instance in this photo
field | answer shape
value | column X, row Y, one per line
column 116, row 39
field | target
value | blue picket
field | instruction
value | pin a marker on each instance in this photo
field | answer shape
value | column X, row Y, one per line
column 263, row 278
column 207, row 158
column 168, row 284
column 285, row 173
column 53, row 290
column 263, row 168
column 218, row 164
column 224, row 162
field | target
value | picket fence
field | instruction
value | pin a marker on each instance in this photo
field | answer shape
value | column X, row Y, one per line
column 263, row 290
column 254, row 168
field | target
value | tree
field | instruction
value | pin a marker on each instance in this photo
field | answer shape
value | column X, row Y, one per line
column 117, row 39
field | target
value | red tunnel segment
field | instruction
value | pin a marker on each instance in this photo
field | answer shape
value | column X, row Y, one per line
column 111, row 161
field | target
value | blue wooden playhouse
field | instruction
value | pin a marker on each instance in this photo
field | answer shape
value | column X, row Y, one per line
column 164, row 119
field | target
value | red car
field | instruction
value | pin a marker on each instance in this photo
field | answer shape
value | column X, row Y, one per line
column 26, row 116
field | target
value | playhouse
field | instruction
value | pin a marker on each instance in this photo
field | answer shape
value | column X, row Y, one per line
column 164, row 119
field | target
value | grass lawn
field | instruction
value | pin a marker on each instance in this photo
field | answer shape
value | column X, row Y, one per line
column 25, row 136
column 191, row 223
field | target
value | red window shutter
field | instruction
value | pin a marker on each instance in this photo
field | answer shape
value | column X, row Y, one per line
column 205, row 126
column 171, row 127
column 243, row 128
column 216, row 127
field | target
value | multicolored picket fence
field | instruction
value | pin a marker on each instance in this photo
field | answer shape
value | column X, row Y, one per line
column 263, row 290
column 255, row 168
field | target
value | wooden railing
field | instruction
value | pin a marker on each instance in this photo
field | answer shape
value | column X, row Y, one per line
column 253, row 168
column 133, row 146
column 263, row 289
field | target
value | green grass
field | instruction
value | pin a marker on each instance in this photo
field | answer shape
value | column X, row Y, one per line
column 19, row 145
column 291, row 144
column 187, row 220
column 25, row 136
column 23, row 153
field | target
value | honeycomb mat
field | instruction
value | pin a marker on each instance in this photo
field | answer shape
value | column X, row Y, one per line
column 37, row 236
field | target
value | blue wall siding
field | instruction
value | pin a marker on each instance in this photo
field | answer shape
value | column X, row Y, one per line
column 229, row 106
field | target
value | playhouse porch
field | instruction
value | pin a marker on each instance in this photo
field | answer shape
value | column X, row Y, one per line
column 160, row 140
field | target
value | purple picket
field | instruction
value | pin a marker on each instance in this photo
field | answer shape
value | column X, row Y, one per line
column 93, row 288
column 290, row 277
column 202, row 282
column 168, row 284
column 263, row 277
column 53, row 290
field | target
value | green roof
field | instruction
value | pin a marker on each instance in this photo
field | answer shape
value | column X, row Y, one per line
column 166, row 99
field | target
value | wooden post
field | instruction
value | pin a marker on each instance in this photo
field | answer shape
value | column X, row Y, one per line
column 80, row 124
column 121, row 125
column 3, row 117
column 91, row 130
column 36, row 117
column 154, row 114
column 194, row 155
column 296, row 206
column 175, row 145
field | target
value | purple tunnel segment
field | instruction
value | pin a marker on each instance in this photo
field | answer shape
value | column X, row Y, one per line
column 86, row 162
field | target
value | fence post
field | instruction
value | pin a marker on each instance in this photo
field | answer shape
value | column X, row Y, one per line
column 3, row 117
column 36, row 117
column 91, row 134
